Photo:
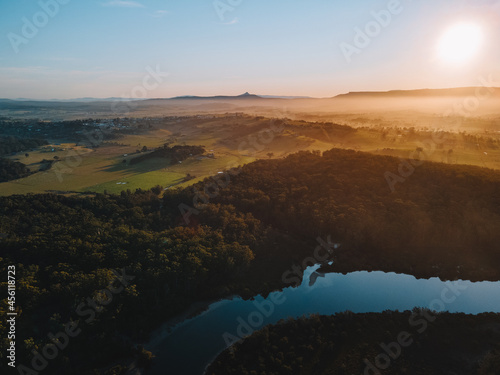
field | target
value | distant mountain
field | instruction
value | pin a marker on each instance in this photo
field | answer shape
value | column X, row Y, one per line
column 421, row 93
column 75, row 100
column 112, row 99
column 218, row 97
column 460, row 92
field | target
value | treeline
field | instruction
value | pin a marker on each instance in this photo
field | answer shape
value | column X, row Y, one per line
column 323, row 131
column 12, row 170
column 175, row 154
column 9, row 144
column 67, row 250
column 389, row 343
column 441, row 220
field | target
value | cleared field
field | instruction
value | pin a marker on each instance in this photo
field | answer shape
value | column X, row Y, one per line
column 155, row 172
column 229, row 141
column 108, row 168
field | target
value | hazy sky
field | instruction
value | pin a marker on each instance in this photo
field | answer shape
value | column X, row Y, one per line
column 104, row 48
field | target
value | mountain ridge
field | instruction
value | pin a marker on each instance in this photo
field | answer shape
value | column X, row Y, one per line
column 457, row 91
column 445, row 92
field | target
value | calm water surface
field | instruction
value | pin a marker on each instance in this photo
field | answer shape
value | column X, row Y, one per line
column 190, row 346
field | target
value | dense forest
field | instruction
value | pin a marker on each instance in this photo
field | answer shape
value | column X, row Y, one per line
column 12, row 170
column 9, row 145
column 68, row 250
column 255, row 222
column 441, row 216
column 390, row 343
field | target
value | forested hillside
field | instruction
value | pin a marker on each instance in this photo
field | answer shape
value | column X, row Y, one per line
column 67, row 250
column 441, row 215
column 350, row 344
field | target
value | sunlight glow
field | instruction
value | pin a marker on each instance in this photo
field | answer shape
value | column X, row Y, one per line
column 460, row 43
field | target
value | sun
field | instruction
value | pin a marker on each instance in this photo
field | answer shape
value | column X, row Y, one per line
column 460, row 43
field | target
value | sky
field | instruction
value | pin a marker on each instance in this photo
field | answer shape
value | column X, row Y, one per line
column 150, row 48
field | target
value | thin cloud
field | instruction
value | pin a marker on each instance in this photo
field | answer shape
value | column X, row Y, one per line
column 233, row 22
column 123, row 4
column 160, row 13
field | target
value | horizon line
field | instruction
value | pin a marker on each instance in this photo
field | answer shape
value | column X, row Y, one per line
column 263, row 96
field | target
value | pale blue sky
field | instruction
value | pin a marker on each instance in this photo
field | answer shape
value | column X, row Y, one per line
column 102, row 48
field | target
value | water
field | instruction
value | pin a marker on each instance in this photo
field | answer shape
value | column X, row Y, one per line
column 191, row 345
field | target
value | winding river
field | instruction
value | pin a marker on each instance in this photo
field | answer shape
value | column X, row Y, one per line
column 188, row 347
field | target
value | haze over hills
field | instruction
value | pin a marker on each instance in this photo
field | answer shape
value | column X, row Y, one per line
column 87, row 99
column 450, row 92
column 246, row 95
column 396, row 105
column 446, row 92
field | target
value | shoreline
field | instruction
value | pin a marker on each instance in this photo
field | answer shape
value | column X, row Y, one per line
column 194, row 310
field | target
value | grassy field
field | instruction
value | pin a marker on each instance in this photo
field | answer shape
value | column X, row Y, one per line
column 81, row 169
column 233, row 140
